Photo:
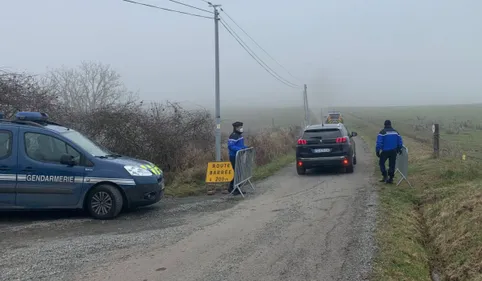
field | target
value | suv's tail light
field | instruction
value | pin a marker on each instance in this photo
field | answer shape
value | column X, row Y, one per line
column 341, row 140
column 301, row 141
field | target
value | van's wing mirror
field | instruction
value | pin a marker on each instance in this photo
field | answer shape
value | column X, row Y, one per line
column 67, row 159
column 354, row 134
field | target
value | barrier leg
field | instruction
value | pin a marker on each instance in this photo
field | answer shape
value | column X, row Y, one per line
column 402, row 178
column 238, row 187
column 251, row 184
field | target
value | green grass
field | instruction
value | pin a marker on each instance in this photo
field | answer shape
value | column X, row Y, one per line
column 401, row 255
column 199, row 187
column 269, row 169
column 437, row 223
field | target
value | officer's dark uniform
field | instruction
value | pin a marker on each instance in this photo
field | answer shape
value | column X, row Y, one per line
column 235, row 143
column 389, row 143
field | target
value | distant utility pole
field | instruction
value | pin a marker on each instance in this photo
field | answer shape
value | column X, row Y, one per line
column 217, row 89
column 322, row 118
column 307, row 108
column 304, row 108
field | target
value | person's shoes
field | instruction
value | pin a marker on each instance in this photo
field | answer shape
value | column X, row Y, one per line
column 390, row 180
column 384, row 179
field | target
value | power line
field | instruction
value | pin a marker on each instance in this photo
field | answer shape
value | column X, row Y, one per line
column 165, row 9
column 259, row 45
column 256, row 58
column 190, row 6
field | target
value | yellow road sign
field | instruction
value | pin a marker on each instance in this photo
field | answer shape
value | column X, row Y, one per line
column 219, row 172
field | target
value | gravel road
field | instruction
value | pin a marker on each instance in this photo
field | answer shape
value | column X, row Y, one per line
column 313, row 227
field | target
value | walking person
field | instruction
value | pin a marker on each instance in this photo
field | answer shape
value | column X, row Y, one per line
column 235, row 144
column 389, row 143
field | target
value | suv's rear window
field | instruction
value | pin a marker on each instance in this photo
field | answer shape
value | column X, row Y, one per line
column 322, row 133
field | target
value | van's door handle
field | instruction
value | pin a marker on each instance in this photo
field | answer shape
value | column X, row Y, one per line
column 4, row 168
column 28, row 169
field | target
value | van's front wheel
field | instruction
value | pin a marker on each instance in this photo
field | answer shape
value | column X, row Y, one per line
column 104, row 202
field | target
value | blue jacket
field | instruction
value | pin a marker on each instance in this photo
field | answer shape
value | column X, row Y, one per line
column 389, row 139
column 235, row 143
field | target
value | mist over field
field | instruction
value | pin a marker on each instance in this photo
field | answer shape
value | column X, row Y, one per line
column 349, row 53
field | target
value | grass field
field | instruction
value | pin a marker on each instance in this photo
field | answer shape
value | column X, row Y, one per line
column 433, row 228
column 460, row 125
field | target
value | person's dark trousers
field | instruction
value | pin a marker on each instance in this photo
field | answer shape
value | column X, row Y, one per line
column 232, row 159
column 391, row 156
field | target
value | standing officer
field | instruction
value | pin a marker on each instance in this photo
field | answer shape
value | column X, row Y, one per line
column 389, row 143
column 235, row 143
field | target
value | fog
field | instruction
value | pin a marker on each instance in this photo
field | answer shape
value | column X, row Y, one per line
column 353, row 52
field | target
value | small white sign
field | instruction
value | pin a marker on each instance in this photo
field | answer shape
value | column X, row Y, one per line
column 433, row 128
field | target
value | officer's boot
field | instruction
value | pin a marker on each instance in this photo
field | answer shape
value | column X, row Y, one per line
column 390, row 179
column 384, row 177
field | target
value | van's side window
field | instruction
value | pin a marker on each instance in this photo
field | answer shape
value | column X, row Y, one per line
column 5, row 144
column 45, row 148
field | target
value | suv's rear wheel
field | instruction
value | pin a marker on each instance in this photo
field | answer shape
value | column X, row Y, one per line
column 104, row 202
column 300, row 170
column 354, row 160
column 350, row 169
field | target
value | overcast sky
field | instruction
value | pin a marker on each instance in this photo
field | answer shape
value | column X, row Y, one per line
column 352, row 52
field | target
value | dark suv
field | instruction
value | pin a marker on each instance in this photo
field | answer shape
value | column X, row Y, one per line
column 326, row 145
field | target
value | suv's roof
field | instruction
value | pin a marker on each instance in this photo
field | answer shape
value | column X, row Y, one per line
column 324, row 126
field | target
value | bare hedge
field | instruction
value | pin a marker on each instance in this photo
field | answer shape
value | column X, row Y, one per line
column 176, row 139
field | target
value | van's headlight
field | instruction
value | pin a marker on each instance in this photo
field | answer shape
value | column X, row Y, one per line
column 137, row 171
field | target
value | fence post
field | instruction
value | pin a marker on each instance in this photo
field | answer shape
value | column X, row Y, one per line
column 436, row 140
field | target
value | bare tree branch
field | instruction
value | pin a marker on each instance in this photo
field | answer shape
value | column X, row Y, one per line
column 88, row 87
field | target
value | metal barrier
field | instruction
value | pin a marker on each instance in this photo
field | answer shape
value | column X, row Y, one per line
column 243, row 169
column 402, row 166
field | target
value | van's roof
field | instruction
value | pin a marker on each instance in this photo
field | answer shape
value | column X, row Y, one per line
column 17, row 123
column 58, row 129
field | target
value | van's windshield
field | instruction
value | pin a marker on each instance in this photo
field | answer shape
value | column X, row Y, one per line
column 85, row 143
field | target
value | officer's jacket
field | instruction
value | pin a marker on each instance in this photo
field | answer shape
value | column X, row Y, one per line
column 389, row 139
column 235, row 143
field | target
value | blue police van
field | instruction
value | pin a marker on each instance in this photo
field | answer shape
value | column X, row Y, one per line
column 44, row 165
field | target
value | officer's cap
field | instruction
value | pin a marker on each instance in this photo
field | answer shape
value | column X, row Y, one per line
column 237, row 124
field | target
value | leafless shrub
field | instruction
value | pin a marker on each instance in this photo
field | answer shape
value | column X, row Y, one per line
column 19, row 91
column 92, row 100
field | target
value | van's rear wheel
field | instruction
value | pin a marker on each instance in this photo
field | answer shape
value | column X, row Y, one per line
column 104, row 202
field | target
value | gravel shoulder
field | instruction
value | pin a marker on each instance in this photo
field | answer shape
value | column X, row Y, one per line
column 314, row 227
